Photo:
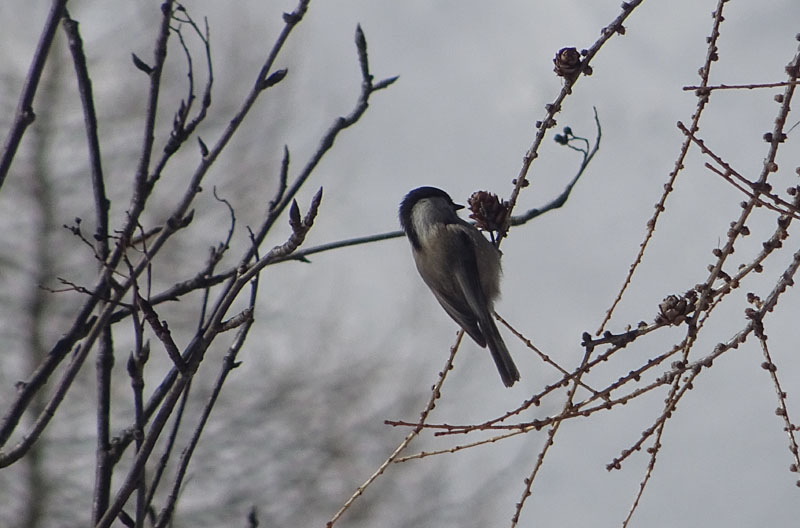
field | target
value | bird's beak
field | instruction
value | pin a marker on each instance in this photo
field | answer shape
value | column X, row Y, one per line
column 458, row 206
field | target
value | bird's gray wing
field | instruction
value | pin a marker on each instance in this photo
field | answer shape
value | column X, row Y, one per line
column 464, row 299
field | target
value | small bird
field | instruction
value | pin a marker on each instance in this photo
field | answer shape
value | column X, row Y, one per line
column 460, row 266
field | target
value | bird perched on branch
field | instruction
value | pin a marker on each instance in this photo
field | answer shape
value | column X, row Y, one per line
column 460, row 266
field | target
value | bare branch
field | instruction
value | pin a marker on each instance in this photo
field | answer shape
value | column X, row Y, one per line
column 228, row 363
column 101, row 203
column 562, row 198
column 551, row 433
column 435, row 394
column 341, row 123
column 182, row 127
column 25, row 115
column 706, row 89
column 782, row 409
column 705, row 70
column 557, row 202
column 615, row 27
column 162, row 332
column 282, row 179
column 40, row 376
column 756, row 190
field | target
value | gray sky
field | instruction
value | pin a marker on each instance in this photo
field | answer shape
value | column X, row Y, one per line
column 474, row 77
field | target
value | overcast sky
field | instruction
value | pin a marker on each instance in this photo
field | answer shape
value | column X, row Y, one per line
column 474, row 78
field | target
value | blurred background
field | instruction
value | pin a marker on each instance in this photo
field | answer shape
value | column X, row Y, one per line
column 353, row 338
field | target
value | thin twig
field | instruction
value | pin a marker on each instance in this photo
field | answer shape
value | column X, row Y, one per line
column 105, row 360
column 755, row 191
column 83, row 326
column 162, row 332
column 544, row 357
column 135, row 366
column 703, row 98
column 101, row 203
column 588, row 155
column 228, row 363
column 739, row 86
column 40, row 376
column 461, row 447
column 552, row 109
column 435, row 393
column 368, row 87
column 161, row 465
column 551, row 433
column 782, row 409
column 25, row 115
column 194, row 354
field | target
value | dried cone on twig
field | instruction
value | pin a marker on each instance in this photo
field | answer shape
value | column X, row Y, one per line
column 568, row 63
column 674, row 310
column 487, row 210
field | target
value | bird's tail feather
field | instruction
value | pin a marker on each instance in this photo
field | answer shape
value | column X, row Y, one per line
column 505, row 365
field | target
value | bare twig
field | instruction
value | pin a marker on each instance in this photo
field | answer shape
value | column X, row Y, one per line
column 282, row 179
column 228, row 363
column 239, row 276
column 711, row 56
column 40, row 376
column 140, row 189
column 544, row 357
column 738, row 86
column 588, row 155
column 135, row 366
column 105, row 361
column 435, row 394
column 615, row 27
column 303, row 255
column 25, row 115
column 104, row 466
column 515, row 220
column 648, row 473
column 161, row 465
column 368, row 87
column 101, row 203
column 782, row 409
column 182, row 127
column 756, row 190
column 162, row 332
column 551, row 433
column 173, row 385
column 461, row 447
